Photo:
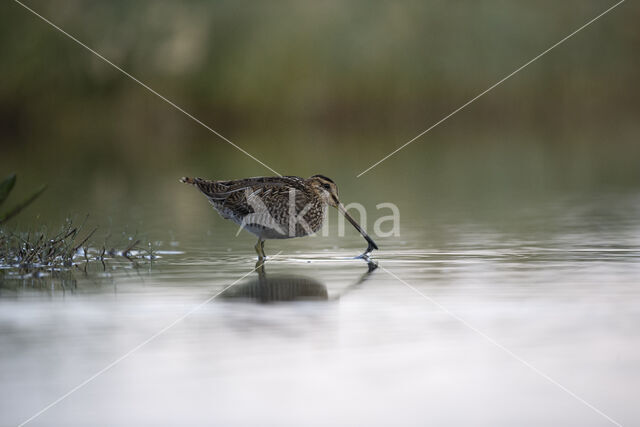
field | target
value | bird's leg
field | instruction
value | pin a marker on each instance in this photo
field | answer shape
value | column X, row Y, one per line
column 260, row 249
column 261, row 257
column 260, row 269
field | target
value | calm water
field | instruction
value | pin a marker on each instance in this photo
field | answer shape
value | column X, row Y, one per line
column 319, row 340
column 511, row 296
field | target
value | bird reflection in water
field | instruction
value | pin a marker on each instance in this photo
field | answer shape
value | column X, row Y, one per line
column 267, row 288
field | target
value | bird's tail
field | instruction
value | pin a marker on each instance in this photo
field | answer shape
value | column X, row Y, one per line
column 187, row 180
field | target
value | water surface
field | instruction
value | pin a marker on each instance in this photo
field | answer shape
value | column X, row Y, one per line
column 317, row 339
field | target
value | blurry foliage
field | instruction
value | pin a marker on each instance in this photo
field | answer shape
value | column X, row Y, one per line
column 358, row 64
column 316, row 87
column 5, row 189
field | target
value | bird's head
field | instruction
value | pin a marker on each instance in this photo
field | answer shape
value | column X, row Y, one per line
column 326, row 189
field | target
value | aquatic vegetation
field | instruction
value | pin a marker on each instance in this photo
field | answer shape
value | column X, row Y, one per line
column 34, row 254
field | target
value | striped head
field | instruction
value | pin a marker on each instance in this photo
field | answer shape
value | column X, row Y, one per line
column 325, row 189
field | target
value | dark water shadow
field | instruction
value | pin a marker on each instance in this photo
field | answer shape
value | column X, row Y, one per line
column 266, row 288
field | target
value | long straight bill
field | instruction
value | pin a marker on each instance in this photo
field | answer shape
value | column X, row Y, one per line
column 372, row 244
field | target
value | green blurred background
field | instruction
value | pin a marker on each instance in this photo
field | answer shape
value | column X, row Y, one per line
column 318, row 87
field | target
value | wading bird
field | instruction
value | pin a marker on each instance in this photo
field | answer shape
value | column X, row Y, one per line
column 280, row 207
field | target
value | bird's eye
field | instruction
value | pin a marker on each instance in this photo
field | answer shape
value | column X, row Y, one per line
column 326, row 186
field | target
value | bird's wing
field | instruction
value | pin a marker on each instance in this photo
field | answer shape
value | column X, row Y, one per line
column 239, row 197
column 221, row 190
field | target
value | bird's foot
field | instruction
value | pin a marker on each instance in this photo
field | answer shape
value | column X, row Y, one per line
column 370, row 263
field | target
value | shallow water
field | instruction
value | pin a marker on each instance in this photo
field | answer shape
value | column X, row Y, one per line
column 510, row 297
column 497, row 323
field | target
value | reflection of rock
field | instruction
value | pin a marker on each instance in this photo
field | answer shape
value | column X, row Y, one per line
column 268, row 288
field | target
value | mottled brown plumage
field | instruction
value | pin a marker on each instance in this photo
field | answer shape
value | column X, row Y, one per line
column 275, row 207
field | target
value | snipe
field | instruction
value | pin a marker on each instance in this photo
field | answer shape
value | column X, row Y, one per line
column 280, row 207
